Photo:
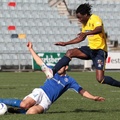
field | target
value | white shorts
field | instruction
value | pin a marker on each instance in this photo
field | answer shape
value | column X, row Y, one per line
column 40, row 97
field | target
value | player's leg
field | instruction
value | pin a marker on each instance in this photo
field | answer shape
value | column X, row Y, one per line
column 71, row 53
column 106, row 79
column 27, row 103
column 11, row 102
column 42, row 102
column 37, row 109
column 31, row 99
column 23, row 104
column 99, row 62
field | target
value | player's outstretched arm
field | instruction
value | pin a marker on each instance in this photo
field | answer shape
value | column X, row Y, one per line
column 74, row 41
column 34, row 55
column 86, row 94
column 48, row 72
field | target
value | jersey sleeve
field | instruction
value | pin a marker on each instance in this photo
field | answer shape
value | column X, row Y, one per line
column 75, row 86
column 97, row 21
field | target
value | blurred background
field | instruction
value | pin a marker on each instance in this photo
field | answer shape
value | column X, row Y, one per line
column 44, row 22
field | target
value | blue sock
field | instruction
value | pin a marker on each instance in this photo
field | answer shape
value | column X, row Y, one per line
column 110, row 81
column 11, row 102
column 62, row 62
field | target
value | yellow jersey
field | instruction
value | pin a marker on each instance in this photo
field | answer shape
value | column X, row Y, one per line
column 97, row 41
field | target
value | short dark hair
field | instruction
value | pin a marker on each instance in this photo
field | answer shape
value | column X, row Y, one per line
column 84, row 9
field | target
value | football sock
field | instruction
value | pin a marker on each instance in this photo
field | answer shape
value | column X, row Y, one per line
column 62, row 62
column 11, row 102
column 110, row 81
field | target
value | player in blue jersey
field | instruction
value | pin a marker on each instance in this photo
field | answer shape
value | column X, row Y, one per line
column 41, row 98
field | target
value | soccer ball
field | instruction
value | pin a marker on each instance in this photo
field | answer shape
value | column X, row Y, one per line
column 3, row 108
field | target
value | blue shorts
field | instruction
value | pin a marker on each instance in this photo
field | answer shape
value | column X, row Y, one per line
column 97, row 56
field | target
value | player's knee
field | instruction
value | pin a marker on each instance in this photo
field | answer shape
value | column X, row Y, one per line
column 24, row 105
column 31, row 111
column 34, row 110
column 69, row 53
column 99, row 79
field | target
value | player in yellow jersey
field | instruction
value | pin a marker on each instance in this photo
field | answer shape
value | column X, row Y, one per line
column 96, row 41
column 93, row 29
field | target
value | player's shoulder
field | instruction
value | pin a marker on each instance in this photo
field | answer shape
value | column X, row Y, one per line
column 94, row 16
column 70, row 78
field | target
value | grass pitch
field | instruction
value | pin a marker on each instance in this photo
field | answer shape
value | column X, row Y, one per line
column 70, row 106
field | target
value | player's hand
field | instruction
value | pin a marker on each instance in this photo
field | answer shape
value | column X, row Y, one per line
column 60, row 44
column 101, row 99
column 29, row 45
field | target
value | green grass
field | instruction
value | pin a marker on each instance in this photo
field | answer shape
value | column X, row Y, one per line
column 70, row 106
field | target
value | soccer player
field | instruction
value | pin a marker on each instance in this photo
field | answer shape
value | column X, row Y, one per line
column 41, row 98
column 93, row 29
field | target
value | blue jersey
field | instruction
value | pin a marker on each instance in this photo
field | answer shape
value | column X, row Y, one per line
column 56, row 86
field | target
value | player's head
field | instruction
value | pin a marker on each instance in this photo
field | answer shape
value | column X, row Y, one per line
column 84, row 9
column 83, row 12
column 63, row 70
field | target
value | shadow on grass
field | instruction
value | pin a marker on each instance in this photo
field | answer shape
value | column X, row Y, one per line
column 11, row 110
column 84, row 110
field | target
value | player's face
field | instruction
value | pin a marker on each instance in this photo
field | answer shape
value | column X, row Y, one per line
column 62, row 70
column 82, row 18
